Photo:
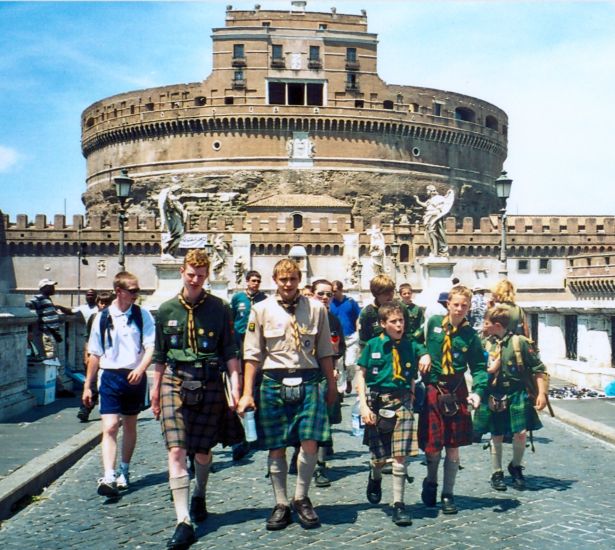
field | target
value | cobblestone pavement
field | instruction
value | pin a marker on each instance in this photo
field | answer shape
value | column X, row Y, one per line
column 570, row 503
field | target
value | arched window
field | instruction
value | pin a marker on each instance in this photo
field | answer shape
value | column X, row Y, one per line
column 297, row 221
column 463, row 113
column 491, row 122
column 404, row 253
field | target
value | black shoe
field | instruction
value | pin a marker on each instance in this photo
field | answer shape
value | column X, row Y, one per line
column 374, row 489
column 198, row 510
column 279, row 518
column 65, row 393
column 182, row 538
column 320, row 477
column 240, row 450
column 401, row 516
column 429, row 493
column 292, row 467
column 307, row 515
column 448, row 505
column 517, row 474
column 83, row 414
column 497, row 481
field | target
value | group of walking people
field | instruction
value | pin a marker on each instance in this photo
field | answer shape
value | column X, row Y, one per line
column 285, row 362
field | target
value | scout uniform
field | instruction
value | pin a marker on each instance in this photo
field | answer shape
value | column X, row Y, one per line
column 509, row 384
column 195, row 341
column 287, row 340
column 414, row 322
column 369, row 323
column 452, row 351
column 390, row 368
column 241, row 303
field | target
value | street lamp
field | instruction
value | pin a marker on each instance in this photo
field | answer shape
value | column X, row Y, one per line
column 502, row 190
column 394, row 252
column 123, row 186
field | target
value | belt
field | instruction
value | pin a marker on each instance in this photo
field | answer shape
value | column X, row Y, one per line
column 210, row 370
column 307, row 375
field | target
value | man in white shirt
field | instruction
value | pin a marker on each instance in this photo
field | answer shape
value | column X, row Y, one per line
column 121, row 344
column 89, row 308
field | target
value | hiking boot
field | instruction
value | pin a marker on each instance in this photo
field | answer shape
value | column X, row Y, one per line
column 497, row 481
column 517, row 474
column 279, row 519
column 374, row 489
column 448, row 504
column 401, row 516
column 198, row 510
column 429, row 493
column 107, row 488
column 320, row 477
column 122, row 481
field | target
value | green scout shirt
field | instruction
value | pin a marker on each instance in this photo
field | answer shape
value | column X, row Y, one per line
column 214, row 332
column 369, row 323
column 377, row 360
column 241, row 303
column 511, row 373
column 468, row 352
column 416, row 318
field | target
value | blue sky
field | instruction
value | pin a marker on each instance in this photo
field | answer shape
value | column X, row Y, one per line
column 549, row 65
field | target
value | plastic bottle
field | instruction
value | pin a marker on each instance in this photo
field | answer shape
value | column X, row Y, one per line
column 358, row 427
column 249, row 425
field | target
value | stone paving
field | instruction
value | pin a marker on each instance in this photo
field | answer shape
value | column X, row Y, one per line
column 570, row 503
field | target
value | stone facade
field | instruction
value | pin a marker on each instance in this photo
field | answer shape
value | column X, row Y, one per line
column 294, row 104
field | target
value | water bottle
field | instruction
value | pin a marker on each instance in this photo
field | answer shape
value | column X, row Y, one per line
column 358, row 427
column 249, row 425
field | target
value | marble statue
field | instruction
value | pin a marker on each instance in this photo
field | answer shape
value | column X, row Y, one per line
column 436, row 207
column 376, row 249
column 219, row 255
column 239, row 269
column 172, row 215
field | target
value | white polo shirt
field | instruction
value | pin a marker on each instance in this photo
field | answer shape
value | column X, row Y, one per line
column 125, row 350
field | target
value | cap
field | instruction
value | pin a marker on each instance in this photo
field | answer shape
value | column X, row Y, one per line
column 476, row 288
column 443, row 297
column 46, row 282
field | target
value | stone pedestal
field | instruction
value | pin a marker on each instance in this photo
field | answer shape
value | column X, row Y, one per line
column 14, row 320
column 219, row 288
column 435, row 273
column 168, row 284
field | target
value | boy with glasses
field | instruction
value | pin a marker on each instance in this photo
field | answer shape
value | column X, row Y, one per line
column 121, row 344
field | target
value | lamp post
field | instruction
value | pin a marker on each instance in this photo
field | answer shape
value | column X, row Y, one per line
column 502, row 190
column 394, row 252
column 123, row 186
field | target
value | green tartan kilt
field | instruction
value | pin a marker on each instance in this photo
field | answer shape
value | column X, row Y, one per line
column 281, row 425
column 520, row 415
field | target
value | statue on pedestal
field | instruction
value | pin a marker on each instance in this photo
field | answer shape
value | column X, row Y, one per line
column 239, row 269
column 376, row 249
column 436, row 207
column 174, row 216
column 219, row 255
column 353, row 273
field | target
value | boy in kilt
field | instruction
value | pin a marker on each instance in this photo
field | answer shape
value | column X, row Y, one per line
column 194, row 344
column 289, row 342
column 389, row 365
column 508, row 407
column 445, row 421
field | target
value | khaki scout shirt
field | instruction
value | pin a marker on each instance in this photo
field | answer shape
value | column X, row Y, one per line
column 270, row 340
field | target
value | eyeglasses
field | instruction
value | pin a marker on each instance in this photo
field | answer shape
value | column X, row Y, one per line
column 132, row 290
column 327, row 293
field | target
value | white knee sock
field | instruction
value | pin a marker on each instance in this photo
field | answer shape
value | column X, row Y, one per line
column 278, row 472
column 180, row 487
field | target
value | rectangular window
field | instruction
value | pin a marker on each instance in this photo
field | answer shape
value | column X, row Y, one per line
column 277, row 93
column 314, row 94
column 296, row 94
column 523, row 266
column 229, row 100
column 351, row 54
column 437, row 109
column 238, row 74
column 359, row 103
column 544, row 264
column 238, row 51
column 314, row 53
column 277, row 52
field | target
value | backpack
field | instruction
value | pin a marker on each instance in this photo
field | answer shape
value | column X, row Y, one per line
column 106, row 324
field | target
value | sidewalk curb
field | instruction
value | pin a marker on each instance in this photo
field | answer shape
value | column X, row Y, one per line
column 586, row 425
column 34, row 476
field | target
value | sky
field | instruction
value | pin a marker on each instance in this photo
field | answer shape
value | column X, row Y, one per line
column 549, row 64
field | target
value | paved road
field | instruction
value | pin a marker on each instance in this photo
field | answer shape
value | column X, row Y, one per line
column 570, row 503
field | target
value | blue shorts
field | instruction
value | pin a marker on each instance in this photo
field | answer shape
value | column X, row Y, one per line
column 117, row 396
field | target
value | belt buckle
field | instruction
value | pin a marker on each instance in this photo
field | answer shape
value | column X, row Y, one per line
column 292, row 371
column 198, row 365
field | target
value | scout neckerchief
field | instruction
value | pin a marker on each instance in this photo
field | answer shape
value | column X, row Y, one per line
column 447, row 344
column 494, row 348
column 291, row 308
column 397, row 372
column 191, row 327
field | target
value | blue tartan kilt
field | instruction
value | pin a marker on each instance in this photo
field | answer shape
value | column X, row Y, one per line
column 281, row 425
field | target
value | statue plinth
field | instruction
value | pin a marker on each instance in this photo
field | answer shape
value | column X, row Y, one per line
column 219, row 288
column 168, row 283
column 436, row 273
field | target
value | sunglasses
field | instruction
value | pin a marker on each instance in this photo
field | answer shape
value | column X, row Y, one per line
column 325, row 293
column 132, row 290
